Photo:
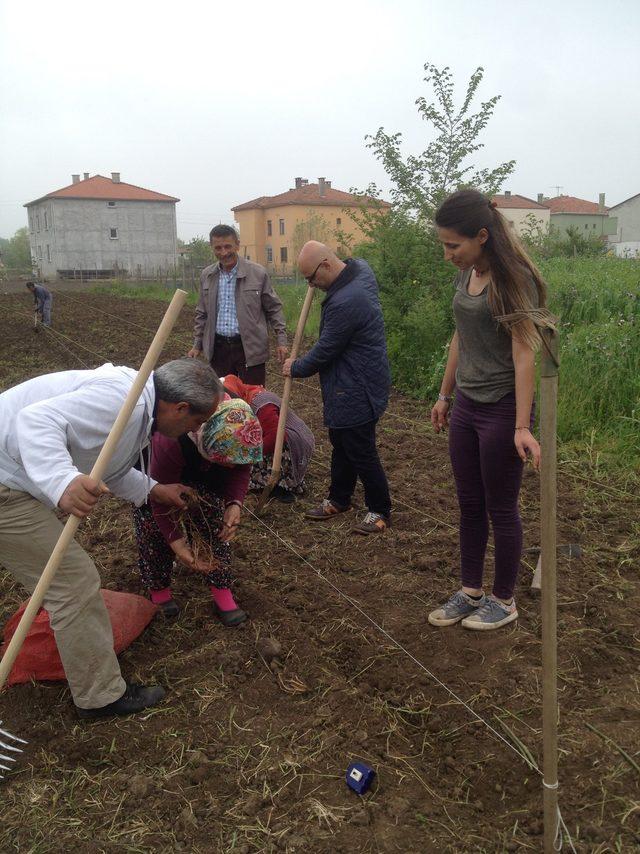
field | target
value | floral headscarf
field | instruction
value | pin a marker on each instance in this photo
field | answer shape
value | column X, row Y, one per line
column 231, row 436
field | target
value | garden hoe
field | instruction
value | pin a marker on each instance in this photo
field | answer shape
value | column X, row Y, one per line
column 274, row 477
column 71, row 526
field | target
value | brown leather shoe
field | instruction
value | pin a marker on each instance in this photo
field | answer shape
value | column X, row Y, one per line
column 327, row 510
column 373, row 523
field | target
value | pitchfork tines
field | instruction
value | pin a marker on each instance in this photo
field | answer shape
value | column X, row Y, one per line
column 4, row 746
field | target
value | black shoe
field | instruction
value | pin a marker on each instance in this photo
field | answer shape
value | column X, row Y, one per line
column 230, row 619
column 170, row 609
column 135, row 699
column 282, row 495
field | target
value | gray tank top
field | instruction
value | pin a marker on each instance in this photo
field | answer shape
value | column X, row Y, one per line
column 485, row 363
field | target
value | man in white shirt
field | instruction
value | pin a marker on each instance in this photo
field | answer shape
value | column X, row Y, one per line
column 52, row 429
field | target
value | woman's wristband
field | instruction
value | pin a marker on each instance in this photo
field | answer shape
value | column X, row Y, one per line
column 445, row 398
column 233, row 501
column 522, row 428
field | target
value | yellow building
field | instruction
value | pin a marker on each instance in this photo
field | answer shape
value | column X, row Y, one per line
column 273, row 229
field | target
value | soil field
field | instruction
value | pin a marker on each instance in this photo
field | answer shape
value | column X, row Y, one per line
column 244, row 757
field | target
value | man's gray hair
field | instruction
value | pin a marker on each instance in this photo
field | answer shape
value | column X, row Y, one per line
column 190, row 381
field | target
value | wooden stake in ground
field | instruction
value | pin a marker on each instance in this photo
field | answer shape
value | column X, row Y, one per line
column 548, row 418
column 274, row 477
column 97, row 473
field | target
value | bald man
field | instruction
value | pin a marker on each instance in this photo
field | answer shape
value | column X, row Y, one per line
column 351, row 357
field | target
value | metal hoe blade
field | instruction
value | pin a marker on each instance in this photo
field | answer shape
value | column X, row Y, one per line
column 5, row 746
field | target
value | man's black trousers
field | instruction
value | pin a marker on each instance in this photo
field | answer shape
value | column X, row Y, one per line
column 355, row 456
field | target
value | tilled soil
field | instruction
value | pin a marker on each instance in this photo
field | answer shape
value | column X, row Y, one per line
column 249, row 752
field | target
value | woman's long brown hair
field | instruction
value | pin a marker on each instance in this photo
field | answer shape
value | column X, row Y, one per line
column 512, row 271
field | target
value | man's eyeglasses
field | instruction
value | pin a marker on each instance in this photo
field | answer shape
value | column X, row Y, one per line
column 313, row 275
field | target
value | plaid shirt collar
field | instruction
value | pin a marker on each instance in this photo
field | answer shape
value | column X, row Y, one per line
column 229, row 274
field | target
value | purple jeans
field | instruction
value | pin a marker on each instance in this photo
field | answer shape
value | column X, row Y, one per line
column 488, row 474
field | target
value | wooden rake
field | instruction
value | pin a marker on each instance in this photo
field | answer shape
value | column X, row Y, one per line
column 274, row 477
column 73, row 522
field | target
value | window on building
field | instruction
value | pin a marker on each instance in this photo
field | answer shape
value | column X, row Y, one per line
column 30, row 222
column 39, row 253
column 38, row 222
column 46, row 221
column 338, row 221
column 594, row 225
column 48, row 253
column 113, row 234
column 586, row 225
column 284, row 257
column 111, row 204
column 269, row 231
column 269, row 255
column 281, row 226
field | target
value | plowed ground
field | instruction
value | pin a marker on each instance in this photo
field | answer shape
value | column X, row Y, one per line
column 240, row 758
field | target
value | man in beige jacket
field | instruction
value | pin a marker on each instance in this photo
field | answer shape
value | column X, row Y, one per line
column 236, row 303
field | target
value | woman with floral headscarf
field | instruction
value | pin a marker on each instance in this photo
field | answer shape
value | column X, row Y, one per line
column 216, row 462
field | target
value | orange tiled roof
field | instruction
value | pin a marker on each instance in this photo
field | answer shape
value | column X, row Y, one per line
column 517, row 202
column 571, row 205
column 99, row 187
column 309, row 194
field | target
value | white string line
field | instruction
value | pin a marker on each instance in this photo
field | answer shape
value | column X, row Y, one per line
column 397, row 643
column 62, row 335
column 560, row 825
column 64, row 347
column 104, row 311
column 58, row 342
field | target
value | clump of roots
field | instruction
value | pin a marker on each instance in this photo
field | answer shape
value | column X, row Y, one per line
column 199, row 524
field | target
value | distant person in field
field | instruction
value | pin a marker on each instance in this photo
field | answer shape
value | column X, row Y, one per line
column 42, row 300
column 299, row 442
column 237, row 303
column 350, row 356
column 491, row 368
column 52, row 429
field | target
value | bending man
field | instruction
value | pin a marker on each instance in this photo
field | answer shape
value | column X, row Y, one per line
column 52, row 429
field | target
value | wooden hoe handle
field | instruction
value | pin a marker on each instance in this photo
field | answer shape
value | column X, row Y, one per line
column 97, row 472
column 274, row 477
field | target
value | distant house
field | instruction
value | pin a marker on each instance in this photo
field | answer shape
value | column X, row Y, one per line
column 626, row 240
column 274, row 228
column 99, row 227
column 523, row 214
column 590, row 218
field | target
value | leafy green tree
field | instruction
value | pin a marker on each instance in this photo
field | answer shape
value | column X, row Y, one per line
column 199, row 252
column 16, row 252
column 401, row 244
column 313, row 227
column 556, row 243
column 420, row 182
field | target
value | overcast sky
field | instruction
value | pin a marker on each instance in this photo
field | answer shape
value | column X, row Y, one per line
column 218, row 103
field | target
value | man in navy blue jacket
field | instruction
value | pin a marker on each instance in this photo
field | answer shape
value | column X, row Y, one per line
column 351, row 357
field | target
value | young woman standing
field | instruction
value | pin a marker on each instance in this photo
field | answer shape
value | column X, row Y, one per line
column 491, row 366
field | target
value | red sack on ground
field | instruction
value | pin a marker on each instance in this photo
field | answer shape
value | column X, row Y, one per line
column 39, row 658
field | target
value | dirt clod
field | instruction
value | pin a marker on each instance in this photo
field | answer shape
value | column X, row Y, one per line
column 269, row 648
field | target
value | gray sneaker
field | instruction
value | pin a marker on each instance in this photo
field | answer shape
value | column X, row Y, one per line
column 491, row 615
column 455, row 609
